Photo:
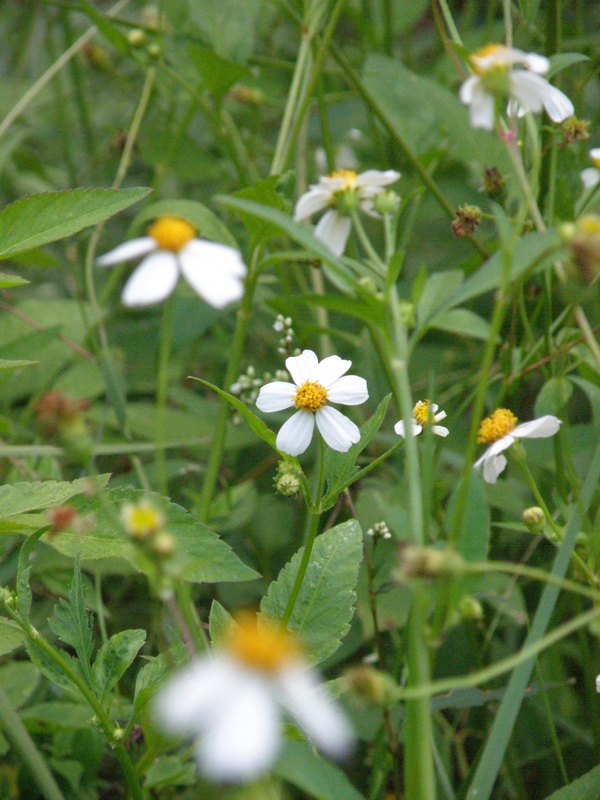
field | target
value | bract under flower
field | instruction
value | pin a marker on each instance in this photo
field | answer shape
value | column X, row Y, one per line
column 316, row 384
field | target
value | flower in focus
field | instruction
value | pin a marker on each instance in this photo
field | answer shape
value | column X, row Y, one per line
column 316, row 384
column 214, row 271
column 424, row 414
column 232, row 702
column 340, row 193
column 500, row 431
column 495, row 77
column 591, row 175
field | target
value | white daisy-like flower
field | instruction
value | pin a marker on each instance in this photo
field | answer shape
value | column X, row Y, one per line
column 233, row 702
column 591, row 175
column 598, row 683
column 500, row 431
column 340, row 193
column 316, row 384
column 424, row 414
column 495, row 76
column 214, row 271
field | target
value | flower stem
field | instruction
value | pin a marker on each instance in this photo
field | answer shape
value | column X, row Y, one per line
column 162, row 387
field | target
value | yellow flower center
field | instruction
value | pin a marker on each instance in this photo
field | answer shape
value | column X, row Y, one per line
column 265, row 648
column 348, row 176
column 171, row 233
column 495, row 427
column 141, row 520
column 310, row 396
column 589, row 225
column 483, row 53
column 596, row 162
column 422, row 413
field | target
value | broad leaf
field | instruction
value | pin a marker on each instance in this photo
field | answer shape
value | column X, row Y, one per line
column 461, row 322
column 8, row 281
column 114, row 657
column 11, row 636
column 220, row 622
column 437, row 289
column 584, row 788
column 325, row 604
column 19, row 498
column 19, row 679
column 23, row 571
column 218, row 74
column 72, row 623
column 302, row 767
column 42, row 218
column 171, row 771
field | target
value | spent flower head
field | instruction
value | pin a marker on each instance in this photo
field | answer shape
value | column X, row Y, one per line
column 232, row 703
column 316, row 384
column 500, row 431
column 214, row 271
column 424, row 414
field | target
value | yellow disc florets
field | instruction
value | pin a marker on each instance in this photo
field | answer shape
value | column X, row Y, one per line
column 348, row 176
column 171, row 233
column 141, row 520
column 265, row 647
column 422, row 413
column 485, row 52
column 311, row 396
column 588, row 225
column 495, row 427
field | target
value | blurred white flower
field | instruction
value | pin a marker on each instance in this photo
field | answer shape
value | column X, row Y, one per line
column 424, row 414
column 232, row 702
column 591, row 175
column 495, row 76
column 316, row 384
column 214, row 271
column 500, row 431
column 340, row 193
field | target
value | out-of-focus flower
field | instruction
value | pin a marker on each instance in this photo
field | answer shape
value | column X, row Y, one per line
column 424, row 414
column 466, row 220
column 583, row 240
column 316, row 384
column 575, row 130
column 142, row 520
column 591, row 175
column 214, row 271
column 496, row 79
column 340, row 193
column 494, row 183
column 232, row 702
column 500, row 431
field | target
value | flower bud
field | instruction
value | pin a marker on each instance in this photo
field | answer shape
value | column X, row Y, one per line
column 136, row 37
column 425, row 562
column 407, row 313
column 288, row 485
column 575, row 130
column 386, row 202
column 469, row 607
column 369, row 685
column 163, row 544
column 534, row 518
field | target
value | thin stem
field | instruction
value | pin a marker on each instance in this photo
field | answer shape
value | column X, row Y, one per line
column 365, row 471
column 536, row 574
column 587, row 332
column 508, row 26
column 366, row 243
column 450, row 22
column 162, row 388
column 515, row 156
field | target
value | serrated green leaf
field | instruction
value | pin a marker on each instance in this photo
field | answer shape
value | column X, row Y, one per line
column 220, row 622
column 49, row 668
column 7, row 281
column 302, row 767
column 206, row 222
column 42, row 218
column 152, row 674
column 113, row 659
column 20, row 498
column 11, row 636
column 325, row 604
column 72, row 624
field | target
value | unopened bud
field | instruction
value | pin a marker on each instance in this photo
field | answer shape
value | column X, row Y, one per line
column 407, row 313
column 386, row 202
column 370, row 685
column 469, row 607
column 163, row 544
column 534, row 518
column 136, row 37
column 425, row 562
column 288, row 485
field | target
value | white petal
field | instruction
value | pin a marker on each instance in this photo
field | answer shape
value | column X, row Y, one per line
column 492, row 467
column 339, row 432
column 214, row 271
column 590, row 177
column 333, row 229
column 598, row 683
column 245, row 738
column 330, row 369
column 557, row 105
column 295, row 434
column 595, row 152
column 482, row 113
column 438, row 417
column 416, row 428
column 466, row 90
column 502, row 444
column 377, row 178
column 536, row 63
column 537, row 428
column 320, row 718
column 303, row 367
column 133, row 249
column 439, row 430
column 316, row 199
column 152, row 281
column 349, row 391
column 276, row 396
column 532, row 92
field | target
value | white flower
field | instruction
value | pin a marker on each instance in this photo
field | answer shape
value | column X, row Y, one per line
column 423, row 415
column 341, row 191
column 500, row 431
column 598, row 683
column 232, row 703
column 214, row 271
column 317, row 383
column 591, row 175
column 494, row 75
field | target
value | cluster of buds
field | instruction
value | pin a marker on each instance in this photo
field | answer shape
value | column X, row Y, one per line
column 283, row 325
column 63, row 419
column 248, row 385
column 466, row 220
column 574, row 130
column 379, row 531
column 287, row 480
column 425, row 562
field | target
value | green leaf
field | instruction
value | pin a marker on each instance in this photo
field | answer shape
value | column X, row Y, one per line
column 263, row 192
column 23, row 570
column 49, row 668
column 228, row 25
column 474, row 534
column 8, row 281
column 437, row 289
column 220, row 623
column 218, row 74
column 157, row 670
column 368, row 308
column 15, row 363
column 19, row 498
column 56, row 716
column 584, row 788
column 553, row 396
column 207, row 224
column 257, row 425
column 19, row 679
column 302, row 767
column 170, row 771
column 461, row 322
column 114, row 657
column 42, row 218
column 106, row 27
column 72, row 624
column 11, row 636
column 561, row 61
column 325, row 604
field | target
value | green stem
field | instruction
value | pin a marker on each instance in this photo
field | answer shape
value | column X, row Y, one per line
column 310, row 540
column 508, row 26
column 536, row 574
column 450, row 22
column 366, row 243
column 17, row 735
column 328, row 499
column 233, row 369
column 162, row 388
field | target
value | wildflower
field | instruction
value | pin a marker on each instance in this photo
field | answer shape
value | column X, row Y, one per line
column 591, row 175
column 317, row 383
column 214, row 271
column 232, row 703
column 495, row 78
column 340, row 193
column 500, row 431
column 141, row 520
column 423, row 415
column 466, row 220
